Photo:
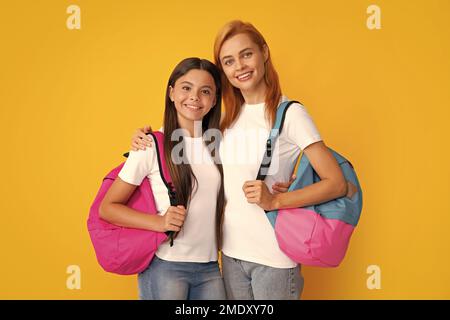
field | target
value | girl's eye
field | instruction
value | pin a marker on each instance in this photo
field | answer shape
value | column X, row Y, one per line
column 228, row 62
column 186, row 88
column 207, row 92
column 247, row 55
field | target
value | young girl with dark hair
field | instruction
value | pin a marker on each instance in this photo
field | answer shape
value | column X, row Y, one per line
column 188, row 269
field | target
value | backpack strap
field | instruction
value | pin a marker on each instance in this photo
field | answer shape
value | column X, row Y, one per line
column 273, row 137
column 158, row 138
column 270, row 143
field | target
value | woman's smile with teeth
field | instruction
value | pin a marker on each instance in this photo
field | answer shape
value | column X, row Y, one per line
column 244, row 76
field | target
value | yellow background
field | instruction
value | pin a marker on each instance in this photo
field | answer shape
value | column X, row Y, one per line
column 71, row 99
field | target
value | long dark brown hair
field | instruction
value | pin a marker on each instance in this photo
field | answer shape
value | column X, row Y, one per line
column 182, row 176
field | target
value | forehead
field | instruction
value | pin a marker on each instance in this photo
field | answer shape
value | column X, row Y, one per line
column 237, row 43
column 197, row 77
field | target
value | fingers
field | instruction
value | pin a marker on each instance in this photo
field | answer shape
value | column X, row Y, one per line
column 175, row 217
column 178, row 209
column 282, row 184
column 144, row 136
column 140, row 139
column 254, row 199
column 251, row 189
column 171, row 227
column 278, row 189
column 137, row 144
column 175, row 223
column 252, row 184
column 253, row 194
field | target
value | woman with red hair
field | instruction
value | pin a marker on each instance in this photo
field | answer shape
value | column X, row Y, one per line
column 253, row 266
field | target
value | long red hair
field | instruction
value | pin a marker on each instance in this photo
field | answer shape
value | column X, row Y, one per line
column 232, row 96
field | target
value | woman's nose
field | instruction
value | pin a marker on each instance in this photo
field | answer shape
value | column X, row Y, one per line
column 239, row 65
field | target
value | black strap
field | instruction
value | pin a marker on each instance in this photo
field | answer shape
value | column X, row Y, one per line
column 169, row 185
column 273, row 137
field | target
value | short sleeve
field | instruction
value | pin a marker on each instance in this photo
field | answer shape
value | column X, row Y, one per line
column 138, row 166
column 299, row 128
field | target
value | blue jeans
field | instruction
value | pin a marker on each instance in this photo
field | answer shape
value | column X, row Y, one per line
column 252, row 281
column 168, row 280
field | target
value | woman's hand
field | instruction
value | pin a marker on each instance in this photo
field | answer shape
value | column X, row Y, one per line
column 256, row 191
column 280, row 187
column 140, row 140
column 173, row 219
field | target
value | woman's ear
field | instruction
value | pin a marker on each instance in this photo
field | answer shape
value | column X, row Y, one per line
column 265, row 52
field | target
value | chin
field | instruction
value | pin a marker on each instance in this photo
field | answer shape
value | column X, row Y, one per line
column 246, row 86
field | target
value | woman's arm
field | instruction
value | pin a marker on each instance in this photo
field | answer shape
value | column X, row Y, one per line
column 140, row 140
column 332, row 185
column 114, row 210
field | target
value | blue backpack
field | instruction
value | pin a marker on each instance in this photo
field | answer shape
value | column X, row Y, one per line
column 316, row 235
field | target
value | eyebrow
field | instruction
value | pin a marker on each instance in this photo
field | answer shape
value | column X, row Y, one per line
column 190, row 83
column 223, row 58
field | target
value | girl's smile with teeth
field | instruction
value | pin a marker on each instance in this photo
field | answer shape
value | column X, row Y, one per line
column 193, row 95
column 192, row 107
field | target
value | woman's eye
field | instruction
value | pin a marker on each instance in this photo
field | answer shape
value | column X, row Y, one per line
column 186, row 88
column 247, row 55
column 228, row 62
column 207, row 92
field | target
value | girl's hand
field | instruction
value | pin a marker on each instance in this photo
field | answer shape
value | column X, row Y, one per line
column 256, row 191
column 173, row 219
column 140, row 140
column 280, row 187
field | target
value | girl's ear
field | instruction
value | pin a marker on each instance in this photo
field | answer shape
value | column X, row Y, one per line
column 171, row 93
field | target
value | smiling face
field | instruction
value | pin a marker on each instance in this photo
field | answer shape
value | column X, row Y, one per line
column 193, row 95
column 242, row 61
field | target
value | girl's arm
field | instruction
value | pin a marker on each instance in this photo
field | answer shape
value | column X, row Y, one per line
column 114, row 210
column 332, row 185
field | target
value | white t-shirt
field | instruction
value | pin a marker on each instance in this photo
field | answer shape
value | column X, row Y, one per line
column 248, row 234
column 196, row 242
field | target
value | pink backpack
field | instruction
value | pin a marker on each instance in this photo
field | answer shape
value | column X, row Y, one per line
column 127, row 250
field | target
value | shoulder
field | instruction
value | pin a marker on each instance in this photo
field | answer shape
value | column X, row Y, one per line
column 143, row 157
column 296, row 113
column 299, row 127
